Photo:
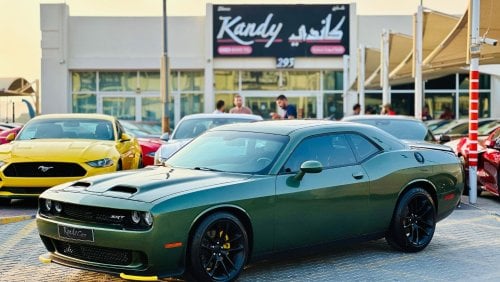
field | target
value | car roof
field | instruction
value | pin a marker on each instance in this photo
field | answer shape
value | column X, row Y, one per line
column 74, row 116
column 380, row 117
column 309, row 127
column 212, row 116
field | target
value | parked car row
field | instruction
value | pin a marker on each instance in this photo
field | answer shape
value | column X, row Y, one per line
column 204, row 209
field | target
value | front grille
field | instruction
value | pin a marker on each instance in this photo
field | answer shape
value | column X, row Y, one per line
column 112, row 217
column 24, row 190
column 94, row 253
column 95, row 214
column 44, row 169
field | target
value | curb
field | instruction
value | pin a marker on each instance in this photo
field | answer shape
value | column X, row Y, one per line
column 13, row 219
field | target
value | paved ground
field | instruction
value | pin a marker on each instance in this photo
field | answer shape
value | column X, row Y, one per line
column 465, row 247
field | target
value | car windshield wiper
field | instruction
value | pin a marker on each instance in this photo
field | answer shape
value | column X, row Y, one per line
column 206, row 168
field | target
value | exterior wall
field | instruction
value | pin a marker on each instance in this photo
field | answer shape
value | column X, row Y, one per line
column 134, row 43
column 54, row 74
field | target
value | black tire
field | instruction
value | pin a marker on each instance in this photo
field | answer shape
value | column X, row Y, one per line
column 218, row 249
column 4, row 201
column 413, row 222
column 140, row 164
column 119, row 166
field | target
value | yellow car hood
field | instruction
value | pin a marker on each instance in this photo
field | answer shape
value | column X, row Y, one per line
column 57, row 150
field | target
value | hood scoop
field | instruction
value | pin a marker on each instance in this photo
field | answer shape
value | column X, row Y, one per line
column 124, row 189
column 81, row 184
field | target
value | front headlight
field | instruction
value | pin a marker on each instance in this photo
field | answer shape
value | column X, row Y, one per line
column 148, row 218
column 101, row 163
column 48, row 204
column 2, row 163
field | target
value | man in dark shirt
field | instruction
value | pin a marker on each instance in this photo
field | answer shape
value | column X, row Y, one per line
column 290, row 110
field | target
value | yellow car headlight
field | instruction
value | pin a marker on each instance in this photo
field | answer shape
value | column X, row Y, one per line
column 101, row 163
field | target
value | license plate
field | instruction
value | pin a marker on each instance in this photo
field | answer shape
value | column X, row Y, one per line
column 74, row 233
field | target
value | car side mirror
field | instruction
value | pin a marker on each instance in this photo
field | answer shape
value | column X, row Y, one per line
column 496, row 144
column 308, row 167
column 444, row 138
column 125, row 137
column 165, row 136
column 10, row 137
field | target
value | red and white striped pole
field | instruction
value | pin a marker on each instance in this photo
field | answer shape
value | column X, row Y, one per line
column 475, row 44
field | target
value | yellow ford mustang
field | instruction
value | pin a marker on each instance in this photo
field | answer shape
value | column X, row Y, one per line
column 56, row 148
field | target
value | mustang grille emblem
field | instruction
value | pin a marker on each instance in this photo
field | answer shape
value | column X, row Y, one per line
column 45, row 168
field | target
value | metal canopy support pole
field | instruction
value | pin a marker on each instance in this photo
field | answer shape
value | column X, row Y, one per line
column 417, row 63
column 361, row 77
column 474, row 49
column 384, row 78
column 346, row 59
column 164, row 75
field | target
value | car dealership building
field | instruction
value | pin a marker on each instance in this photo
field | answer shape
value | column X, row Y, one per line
column 310, row 53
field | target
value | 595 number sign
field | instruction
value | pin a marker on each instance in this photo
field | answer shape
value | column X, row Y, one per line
column 285, row 63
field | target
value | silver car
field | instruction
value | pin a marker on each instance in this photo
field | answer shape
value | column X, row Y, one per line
column 191, row 126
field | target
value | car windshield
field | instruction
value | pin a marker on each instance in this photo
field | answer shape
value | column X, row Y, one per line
column 67, row 128
column 191, row 128
column 402, row 129
column 231, row 151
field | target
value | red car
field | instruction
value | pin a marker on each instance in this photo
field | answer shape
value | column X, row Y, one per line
column 488, row 163
column 5, row 133
column 149, row 147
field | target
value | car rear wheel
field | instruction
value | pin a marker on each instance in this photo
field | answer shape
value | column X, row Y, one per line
column 413, row 222
column 218, row 249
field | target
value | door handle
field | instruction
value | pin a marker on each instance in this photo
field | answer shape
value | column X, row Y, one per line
column 358, row 175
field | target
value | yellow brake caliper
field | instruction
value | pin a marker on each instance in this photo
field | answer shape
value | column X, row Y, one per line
column 226, row 245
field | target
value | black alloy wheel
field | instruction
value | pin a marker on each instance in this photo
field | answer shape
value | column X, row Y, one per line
column 219, row 248
column 414, row 221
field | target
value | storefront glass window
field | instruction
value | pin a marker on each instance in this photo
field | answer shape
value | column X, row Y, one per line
column 84, row 81
column 373, row 101
column 117, row 81
column 191, row 81
column 441, row 105
column 484, row 81
column 149, row 81
column 191, row 103
column 301, row 80
column 119, row 107
column 484, row 105
column 260, row 80
column 226, row 80
column 333, row 106
column 84, row 103
column 333, row 80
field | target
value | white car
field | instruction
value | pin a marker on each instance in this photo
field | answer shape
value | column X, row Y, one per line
column 191, row 126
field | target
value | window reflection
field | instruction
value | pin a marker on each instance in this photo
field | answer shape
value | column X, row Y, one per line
column 149, row 81
column 191, row 103
column 83, row 81
column 117, row 81
column 84, row 103
column 120, row 107
column 301, row 80
column 260, row 80
column 226, row 80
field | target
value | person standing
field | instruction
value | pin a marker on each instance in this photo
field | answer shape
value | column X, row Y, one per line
column 219, row 107
column 387, row 110
column 356, row 109
column 238, row 107
column 290, row 110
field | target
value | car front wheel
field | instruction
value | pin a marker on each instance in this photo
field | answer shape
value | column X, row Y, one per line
column 413, row 222
column 218, row 249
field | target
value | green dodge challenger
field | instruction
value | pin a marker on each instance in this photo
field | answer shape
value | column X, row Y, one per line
column 241, row 192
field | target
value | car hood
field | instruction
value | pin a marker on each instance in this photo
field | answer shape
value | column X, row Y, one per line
column 57, row 150
column 151, row 183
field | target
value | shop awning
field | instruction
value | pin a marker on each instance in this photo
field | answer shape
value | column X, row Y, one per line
column 452, row 52
column 15, row 86
column 18, row 86
column 372, row 66
column 436, row 26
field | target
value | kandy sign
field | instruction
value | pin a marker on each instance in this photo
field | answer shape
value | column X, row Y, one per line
column 280, row 30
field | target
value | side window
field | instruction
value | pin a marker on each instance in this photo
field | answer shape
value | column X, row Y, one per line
column 363, row 148
column 329, row 150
